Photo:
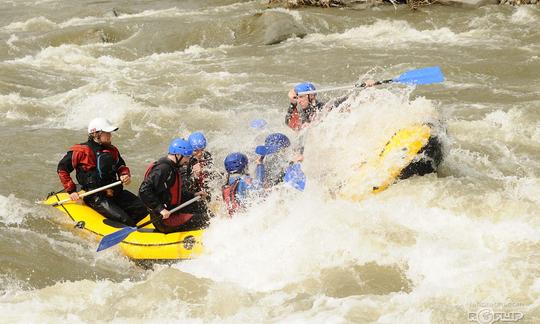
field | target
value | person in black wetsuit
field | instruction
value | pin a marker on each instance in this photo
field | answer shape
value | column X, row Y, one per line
column 98, row 163
column 163, row 189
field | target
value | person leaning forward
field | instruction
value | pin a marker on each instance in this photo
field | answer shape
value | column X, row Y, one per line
column 162, row 189
column 98, row 163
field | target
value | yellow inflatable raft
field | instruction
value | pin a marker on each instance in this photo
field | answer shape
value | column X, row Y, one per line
column 142, row 244
column 414, row 150
column 411, row 151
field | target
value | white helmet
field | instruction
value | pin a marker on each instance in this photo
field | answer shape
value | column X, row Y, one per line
column 101, row 124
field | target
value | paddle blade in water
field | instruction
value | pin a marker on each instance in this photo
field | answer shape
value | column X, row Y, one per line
column 114, row 238
column 295, row 177
column 426, row 75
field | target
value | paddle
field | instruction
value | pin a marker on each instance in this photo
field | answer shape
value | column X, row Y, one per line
column 88, row 193
column 427, row 75
column 114, row 238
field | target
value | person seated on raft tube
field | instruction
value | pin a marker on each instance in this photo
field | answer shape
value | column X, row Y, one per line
column 98, row 163
column 238, row 184
column 197, row 173
column 303, row 109
column 273, row 160
column 162, row 189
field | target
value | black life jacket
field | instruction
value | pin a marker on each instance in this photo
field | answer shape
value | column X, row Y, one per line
column 173, row 197
column 173, row 183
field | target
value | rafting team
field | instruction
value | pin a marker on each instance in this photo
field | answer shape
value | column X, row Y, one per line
column 182, row 174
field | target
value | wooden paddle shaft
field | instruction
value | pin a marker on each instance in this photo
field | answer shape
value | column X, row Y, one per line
column 88, row 193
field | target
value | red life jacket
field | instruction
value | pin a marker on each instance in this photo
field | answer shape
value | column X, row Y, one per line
column 95, row 167
column 175, row 192
column 229, row 197
column 299, row 118
column 295, row 122
column 88, row 159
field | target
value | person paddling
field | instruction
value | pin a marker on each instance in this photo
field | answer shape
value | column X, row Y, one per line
column 98, row 163
column 239, row 184
column 162, row 189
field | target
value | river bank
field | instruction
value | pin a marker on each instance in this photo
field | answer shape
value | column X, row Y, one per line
column 413, row 4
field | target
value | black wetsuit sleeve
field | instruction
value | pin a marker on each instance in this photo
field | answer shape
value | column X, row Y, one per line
column 289, row 113
column 208, row 159
column 152, row 188
column 186, row 195
column 121, row 161
column 65, row 164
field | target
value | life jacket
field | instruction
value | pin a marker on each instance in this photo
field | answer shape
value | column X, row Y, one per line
column 175, row 193
column 295, row 122
column 229, row 196
column 298, row 116
column 96, row 167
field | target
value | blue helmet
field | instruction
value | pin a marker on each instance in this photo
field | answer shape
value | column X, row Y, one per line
column 180, row 146
column 303, row 87
column 273, row 143
column 197, row 140
column 257, row 123
column 235, row 162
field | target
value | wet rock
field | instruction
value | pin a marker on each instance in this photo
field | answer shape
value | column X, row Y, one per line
column 315, row 3
column 83, row 35
column 518, row 2
column 270, row 28
column 468, row 3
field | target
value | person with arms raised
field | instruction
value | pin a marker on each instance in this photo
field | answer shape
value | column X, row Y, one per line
column 303, row 108
column 274, row 160
column 98, row 163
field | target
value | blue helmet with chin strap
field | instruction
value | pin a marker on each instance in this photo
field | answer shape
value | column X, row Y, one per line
column 180, row 146
column 197, row 140
column 303, row 87
column 235, row 162
column 273, row 143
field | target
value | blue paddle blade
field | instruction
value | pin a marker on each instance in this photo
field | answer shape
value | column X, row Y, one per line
column 295, row 177
column 426, row 75
column 114, row 238
column 261, row 150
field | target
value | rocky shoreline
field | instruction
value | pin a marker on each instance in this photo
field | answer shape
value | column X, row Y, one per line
column 413, row 4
